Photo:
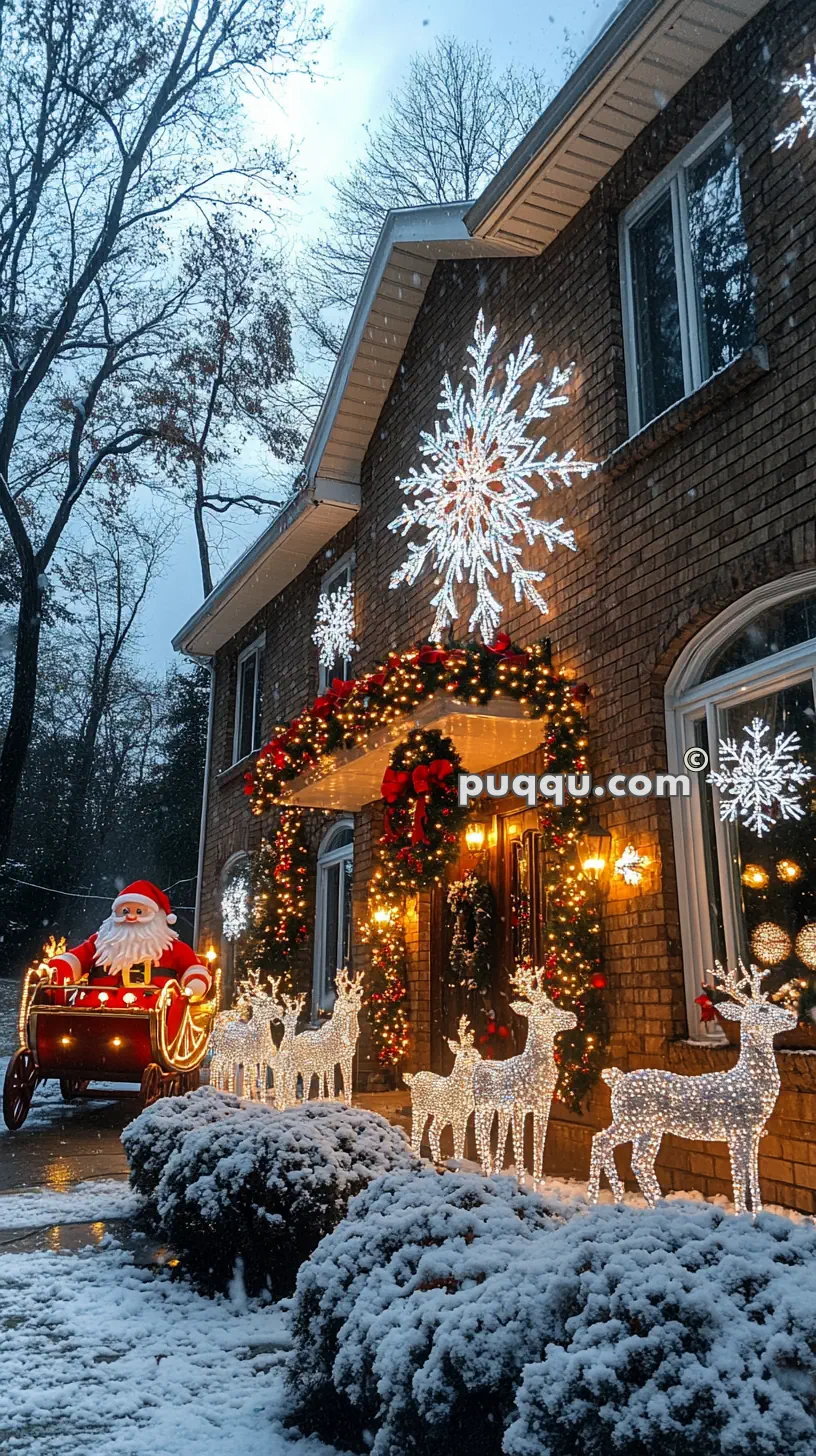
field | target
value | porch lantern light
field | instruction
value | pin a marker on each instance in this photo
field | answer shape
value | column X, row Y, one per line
column 475, row 837
column 593, row 850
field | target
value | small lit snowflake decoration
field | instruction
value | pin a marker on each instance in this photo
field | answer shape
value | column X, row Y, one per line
column 631, row 865
column 473, row 500
column 334, row 625
column 235, row 907
column 757, row 784
column 805, row 88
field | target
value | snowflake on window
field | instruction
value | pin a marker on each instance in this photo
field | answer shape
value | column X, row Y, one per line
column 805, row 88
column 473, row 499
column 334, row 624
column 758, row 784
column 235, row 907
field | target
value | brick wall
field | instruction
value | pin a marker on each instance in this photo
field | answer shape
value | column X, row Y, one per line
column 713, row 500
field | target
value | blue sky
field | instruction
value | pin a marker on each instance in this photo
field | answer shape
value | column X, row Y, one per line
column 364, row 59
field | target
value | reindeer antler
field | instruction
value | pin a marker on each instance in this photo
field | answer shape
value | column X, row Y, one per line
column 529, row 981
column 465, row 1032
column 294, row 1003
column 732, row 981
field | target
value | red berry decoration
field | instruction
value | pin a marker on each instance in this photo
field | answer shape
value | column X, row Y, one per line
column 599, row 980
column 491, row 1027
column 504, row 1031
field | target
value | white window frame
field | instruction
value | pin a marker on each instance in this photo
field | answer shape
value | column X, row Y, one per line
column 326, row 858
column 343, row 567
column 670, row 180
column 687, row 700
column 255, row 648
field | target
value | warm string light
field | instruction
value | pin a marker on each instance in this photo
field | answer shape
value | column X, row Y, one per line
column 34, row 975
column 383, row 934
column 731, row 1107
column 278, row 922
column 318, row 1053
column 447, row 1101
column 422, row 816
column 245, row 1041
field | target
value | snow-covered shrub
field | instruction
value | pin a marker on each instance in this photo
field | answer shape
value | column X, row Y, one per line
column 369, row 1301
column 257, row 1191
column 680, row 1330
column 157, row 1132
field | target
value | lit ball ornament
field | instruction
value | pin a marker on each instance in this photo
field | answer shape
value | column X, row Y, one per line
column 806, row 945
column 754, row 877
column 788, row 870
column 770, row 943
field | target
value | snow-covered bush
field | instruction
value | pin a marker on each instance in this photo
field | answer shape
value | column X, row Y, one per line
column 257, row 1191
column 157, row 1132
column 371, row 1298
column 681, row 1330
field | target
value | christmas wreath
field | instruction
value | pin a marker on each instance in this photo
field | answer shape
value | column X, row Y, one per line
column 472, row 904
column 422, row 816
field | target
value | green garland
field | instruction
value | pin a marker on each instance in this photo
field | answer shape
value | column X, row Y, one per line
column 472, row 903
column 279, row 920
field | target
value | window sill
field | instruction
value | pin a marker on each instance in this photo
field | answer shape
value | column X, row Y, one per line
column 744, row 371
column 235, row 770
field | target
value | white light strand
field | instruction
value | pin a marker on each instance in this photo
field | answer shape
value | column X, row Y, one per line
column 474, row 498
column 334, row 625
column 630, row 866
column 757, row 784
column 447, row 1101
column 805, row 87
column 731, row 1107
column 238, row 1043
column 318, row 1053
column 235, row 907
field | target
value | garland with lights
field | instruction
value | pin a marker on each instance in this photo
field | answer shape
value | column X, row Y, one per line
column 279, row 923
column 422, row 816
column 382, row 932
column 472, row 903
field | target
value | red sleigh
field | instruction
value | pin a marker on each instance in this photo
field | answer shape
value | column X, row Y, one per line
column 113, row 1030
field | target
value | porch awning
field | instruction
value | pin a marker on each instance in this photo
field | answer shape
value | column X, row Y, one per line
column 484, row 735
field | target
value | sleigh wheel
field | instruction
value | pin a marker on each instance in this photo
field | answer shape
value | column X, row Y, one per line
column 152, row 1084
column 18, row 1089
column 71, row 1087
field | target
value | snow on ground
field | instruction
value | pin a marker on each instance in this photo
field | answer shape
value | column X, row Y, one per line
column 89, row 1202
column 101, row 1356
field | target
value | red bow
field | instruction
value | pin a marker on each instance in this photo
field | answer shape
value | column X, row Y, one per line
column 502, row 647
column 430, row 656
column 341, row 689
column 427, row 776
column 706, row 1005
column 322, row 707
column 374, row 680
column 393, row 787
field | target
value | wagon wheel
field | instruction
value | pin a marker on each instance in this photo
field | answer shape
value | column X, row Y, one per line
column 71, row 1087
column 18, row 1089
column 152, row 1088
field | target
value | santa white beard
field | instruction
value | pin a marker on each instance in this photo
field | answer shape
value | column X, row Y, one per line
column 121, row 944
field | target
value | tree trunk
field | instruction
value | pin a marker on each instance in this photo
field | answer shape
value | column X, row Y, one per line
column 201, row 534
column 21, row 717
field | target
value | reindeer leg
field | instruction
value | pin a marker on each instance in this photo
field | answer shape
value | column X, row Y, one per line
column 418, row 1121
column 541, row 1118
column 501, row 1145
column 434, row 1132
column 458, row 1130
column 603, row 1145
column 739, row 1149
column 645, row 1149
column 484, row 1123
column 346, row 1067
column 519, row 1119
column 756, row 1194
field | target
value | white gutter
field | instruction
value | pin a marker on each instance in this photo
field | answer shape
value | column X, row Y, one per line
column 204, row 802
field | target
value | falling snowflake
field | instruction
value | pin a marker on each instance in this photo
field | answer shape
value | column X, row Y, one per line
column 235, row 907
column 805, row 88
column 334, row 624
column 474, row 499
column 631, row 865
column 757, row 784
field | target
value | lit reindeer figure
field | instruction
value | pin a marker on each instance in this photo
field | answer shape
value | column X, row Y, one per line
column 730, row 1107
column 317, row 1053
column 284, row 1071
column 237, row 1042
column 448, row 1101
column 524, row 1083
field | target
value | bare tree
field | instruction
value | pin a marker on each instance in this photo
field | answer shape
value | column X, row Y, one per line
column 115, row 119
column 223, row 386
column 446, row 131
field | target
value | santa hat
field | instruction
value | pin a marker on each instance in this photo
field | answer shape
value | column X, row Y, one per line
column 145, row 894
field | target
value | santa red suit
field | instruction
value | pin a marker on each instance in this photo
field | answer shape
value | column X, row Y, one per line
column 139, row 929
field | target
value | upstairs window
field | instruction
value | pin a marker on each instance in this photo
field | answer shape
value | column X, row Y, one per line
column 248, row 702
column 341, row 574
column 688, row 296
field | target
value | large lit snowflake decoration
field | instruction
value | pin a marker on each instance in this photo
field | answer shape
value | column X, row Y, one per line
column 235, row 907
column 334, row 624
column 473, row 499
column 805, row 87
column 757, row 784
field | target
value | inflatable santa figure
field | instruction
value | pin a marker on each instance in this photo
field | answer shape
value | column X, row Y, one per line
column 136, row 939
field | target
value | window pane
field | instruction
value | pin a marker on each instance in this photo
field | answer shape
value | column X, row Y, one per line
column 656, row 311
column 246, row 705
column 256, row 724
column 345, row 937
column 773, row 631
column 715, row 915
column 722, row 275
column 332, row 893
column 774, row 876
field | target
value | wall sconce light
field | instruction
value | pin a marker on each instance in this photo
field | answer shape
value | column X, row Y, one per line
column 475, row 836
column 593, row 849
column 382, row 915
column 211, row 954
column 631, row 865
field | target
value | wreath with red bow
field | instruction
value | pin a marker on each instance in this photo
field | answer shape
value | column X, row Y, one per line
column 422, row 816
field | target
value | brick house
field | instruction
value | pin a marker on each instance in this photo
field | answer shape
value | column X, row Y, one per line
column 647, row 230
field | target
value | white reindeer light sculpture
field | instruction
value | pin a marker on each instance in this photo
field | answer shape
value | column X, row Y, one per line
column 731, row 1107
column 448, row 1101
column 317, row 1053
column 237, row 1042
column 284, row 1072
column 521, row 1084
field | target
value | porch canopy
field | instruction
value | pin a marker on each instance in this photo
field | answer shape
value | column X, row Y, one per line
column 485, row 735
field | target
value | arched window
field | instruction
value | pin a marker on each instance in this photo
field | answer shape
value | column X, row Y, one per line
column 745, row 893
column 335, row 866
